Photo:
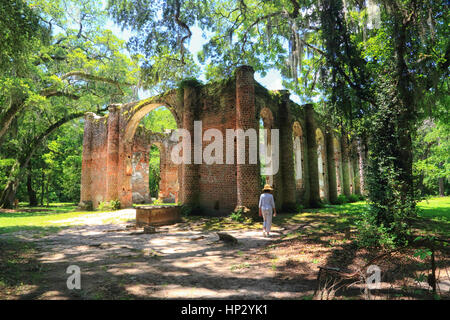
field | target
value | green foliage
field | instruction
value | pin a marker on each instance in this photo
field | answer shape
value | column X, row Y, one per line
column 341, row 199
column 20, row 28
column 112, row 205
column 80, row 66
column 432, row 147
column 115, row 204
column 159, row 120
column 371, row 234
column 353, row 198
column 422, row 253
column 154, row 171
column 167, row 61
column 238, row 215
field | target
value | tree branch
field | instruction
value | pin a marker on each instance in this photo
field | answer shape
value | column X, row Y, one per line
column 87, row 76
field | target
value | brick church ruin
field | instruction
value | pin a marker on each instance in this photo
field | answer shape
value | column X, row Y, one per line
column 317, row 163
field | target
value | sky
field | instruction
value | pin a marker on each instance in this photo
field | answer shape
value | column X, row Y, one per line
column 272, row 80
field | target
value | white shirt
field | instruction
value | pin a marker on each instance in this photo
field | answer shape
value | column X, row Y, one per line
column 266, row 201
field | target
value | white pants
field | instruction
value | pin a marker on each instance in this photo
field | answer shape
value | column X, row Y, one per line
column 267, row 216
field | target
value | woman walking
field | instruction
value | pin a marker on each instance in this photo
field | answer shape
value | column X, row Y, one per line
column 266, row 208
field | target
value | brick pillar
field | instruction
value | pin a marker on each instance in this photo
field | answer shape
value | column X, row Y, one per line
column 286, row 153
column 332, row 171
column 189, row 172
column 313, row 169
column 345, row 164
column 112, row 158
column 247, row 175
column 86, row 164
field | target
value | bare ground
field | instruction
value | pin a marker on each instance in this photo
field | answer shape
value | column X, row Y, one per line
column 118, row 261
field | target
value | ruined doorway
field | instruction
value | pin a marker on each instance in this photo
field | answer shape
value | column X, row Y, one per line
column 297, row 136
column 321, row 162
column 154, row 176
column 265, row 126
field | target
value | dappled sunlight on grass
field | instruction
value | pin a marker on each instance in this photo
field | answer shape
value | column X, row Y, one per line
column 435, row 208
column 434, row 216
column 41, row 220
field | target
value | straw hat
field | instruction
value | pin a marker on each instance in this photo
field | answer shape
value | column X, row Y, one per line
column 267, row 187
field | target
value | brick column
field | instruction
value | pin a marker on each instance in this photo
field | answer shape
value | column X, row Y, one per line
column 286, row 153
column 247, row 175
column 332, row 171
column 313, row 169
column 86, row 164
column 112, row 157
column 189, row 172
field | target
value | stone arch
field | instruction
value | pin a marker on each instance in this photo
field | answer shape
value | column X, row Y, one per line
column 298, row 143
column 138, row 112
column 321, row 163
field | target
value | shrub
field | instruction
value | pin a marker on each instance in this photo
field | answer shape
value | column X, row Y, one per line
column 299, row 208
column 353, row 198
column 112, row 205
column 341, row 199
column 102, row 205
column 372, row 235
column 115, row 204
column 237, row 215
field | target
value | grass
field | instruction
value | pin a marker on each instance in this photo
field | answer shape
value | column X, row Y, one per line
column 435, row 208
column 41, row 220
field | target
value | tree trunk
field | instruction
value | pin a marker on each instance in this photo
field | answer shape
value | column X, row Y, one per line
column 46, row 191
column 441, row 187
column 405, row 106
column 8, row 116
column 42, row 189
column 8, row 195
column 31, row 193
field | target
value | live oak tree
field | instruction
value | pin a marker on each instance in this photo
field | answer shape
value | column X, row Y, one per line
column 81, row 67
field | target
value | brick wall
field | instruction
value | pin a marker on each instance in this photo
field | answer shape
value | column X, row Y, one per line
column 115, row 152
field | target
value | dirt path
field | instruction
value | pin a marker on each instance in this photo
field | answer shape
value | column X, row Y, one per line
column 119, row 262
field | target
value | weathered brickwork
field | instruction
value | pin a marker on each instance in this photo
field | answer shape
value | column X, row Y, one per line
column 316, row 163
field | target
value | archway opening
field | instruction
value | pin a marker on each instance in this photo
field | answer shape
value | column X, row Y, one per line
column 154, row 171
column 320, row 142
column 154, row 176
column 297, row 136
column 265, row 125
